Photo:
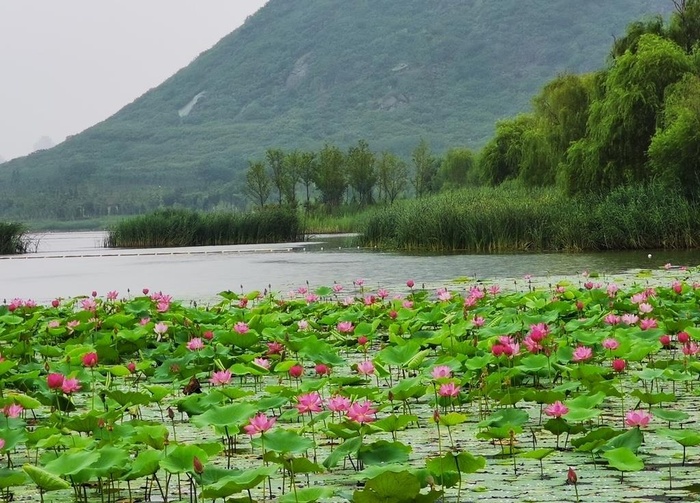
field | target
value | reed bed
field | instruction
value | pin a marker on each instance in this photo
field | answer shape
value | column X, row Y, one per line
column 179, row 227
column 14, row 239
column 508, row 219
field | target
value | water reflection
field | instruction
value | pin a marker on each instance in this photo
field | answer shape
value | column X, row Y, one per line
column 71, row 264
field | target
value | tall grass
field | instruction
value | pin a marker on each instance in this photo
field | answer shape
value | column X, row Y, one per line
column 179, row 227
column 487, row 220
column 14, row 239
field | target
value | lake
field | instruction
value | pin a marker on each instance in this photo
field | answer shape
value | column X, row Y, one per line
column 76, row 263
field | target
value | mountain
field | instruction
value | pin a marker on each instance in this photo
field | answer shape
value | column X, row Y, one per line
column 43, row 143
column 301, row 73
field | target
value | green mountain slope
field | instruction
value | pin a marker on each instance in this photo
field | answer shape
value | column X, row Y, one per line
column 300, row 73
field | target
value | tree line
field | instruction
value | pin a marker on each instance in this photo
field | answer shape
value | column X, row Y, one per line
column 634, row 122
column 332, row 176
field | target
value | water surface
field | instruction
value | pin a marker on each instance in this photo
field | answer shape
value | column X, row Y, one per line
column 75, row 263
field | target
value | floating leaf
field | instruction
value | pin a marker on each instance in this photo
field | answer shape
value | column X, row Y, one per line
column 624, row 460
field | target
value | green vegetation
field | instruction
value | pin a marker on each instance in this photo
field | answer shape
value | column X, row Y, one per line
column 633, row 122
column 13, row 238
column 301, row 75
column 511, row 218
column 166, row 228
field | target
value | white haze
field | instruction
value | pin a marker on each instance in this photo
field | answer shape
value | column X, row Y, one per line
column 66, row 65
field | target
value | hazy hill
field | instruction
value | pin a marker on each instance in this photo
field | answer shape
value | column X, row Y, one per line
column 300, row 73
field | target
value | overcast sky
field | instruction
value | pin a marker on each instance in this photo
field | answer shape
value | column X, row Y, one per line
column 68, row 64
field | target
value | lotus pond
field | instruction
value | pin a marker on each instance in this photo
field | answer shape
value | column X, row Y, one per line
column 582, row 390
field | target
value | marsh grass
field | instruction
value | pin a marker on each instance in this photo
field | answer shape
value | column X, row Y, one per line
column 511, row 218
column 179, row 227
column 14, row 239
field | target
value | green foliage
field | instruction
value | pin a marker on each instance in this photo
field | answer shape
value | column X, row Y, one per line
column 511, row 218
column 457, row 169
column 181, row 227
column 393, row 73
column 330, row 175
column 13, row 238
column 425, row 168
column 360, row 167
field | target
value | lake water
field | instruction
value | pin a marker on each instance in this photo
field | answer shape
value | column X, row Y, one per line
column 76, row 263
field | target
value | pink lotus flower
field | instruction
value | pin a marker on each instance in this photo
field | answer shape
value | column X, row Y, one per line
column 478, row 321
column 70, row 385
column 619, row 365
column 494, row 290
column 337, row 288
column 665, row 340
column 302, row 290
column 611, row 344
column 359, row 282
column 629, row 319
column 361, row 412
column 382, row 293
column 311, row 298
column 443, row 294
column 2, row 443
column 648, row 323
column 365, row 368
column 242, row 303
column 55, row 302
column 90, row 359
column 262, row 362
column 683, row 337
column 160, row 328
column 310, row 402
column 677, row 287
column 303, row 325
column 557, row 409
column 54, row 381
column 638, row 418
column 296, row 371
column 220, row 378
column 407, row 304
column 612, row 319
column 449, row 389
column 369, row 300
column 338, row 403
column 410, row 283
column 362, row 340
column 539, row 331
column 582, row 353
column 645, row 308
column 259, row 424
column 144, row 321
column 112, row 295
column 532, row 345
column 241, row 327
column 441, row 372
column 208, row 335
column 690, row 349
column 322, row 369
column 612, row 290
column 131, row 366
column 195, row 344
column 88, row 304
column 345, row 327
column 12, row 411
column 145, row 291
column 54, row 324
column 638, row 298
column 274, row 348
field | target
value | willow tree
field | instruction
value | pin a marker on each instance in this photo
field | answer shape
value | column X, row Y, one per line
column 501, row 157
column 623, row 121
column 674, row 152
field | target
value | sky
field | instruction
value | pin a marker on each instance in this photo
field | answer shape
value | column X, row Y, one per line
column 66, row 65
